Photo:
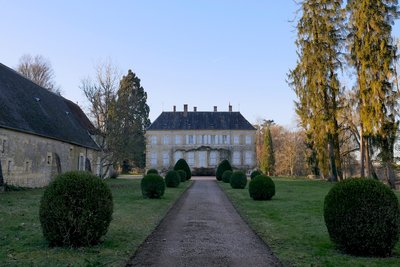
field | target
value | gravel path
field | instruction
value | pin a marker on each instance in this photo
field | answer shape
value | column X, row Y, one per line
column 203, row 229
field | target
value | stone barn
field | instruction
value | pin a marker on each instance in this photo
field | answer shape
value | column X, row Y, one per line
column 42, row 134
column 202, row 138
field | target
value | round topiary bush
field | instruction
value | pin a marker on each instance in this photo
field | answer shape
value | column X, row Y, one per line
column 75, row 210
column 153, row 186
column 226, row 176
column 182, row 175
column 222, row 167
column 172, row 179
column 255, row 174
column 181, row 164
column 261, row 187
column 152, row 171
column 238, row 180
column 362, row 217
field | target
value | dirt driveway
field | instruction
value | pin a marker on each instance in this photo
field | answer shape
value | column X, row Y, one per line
column 203, row 229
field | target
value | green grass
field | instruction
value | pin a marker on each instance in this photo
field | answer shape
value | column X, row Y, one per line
column 134, row 218
column 292, row 224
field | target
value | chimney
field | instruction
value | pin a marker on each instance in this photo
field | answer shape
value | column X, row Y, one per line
column 230, row 108
column 215, row 108
column 174, row 108
column 195, row 109
column 185, row 110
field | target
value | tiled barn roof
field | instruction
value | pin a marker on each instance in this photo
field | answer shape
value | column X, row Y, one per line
column 29, row 108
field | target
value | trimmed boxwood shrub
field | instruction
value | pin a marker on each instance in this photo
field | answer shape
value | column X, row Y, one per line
column 238, row 180
column 75, row 209
column 255, row 173
column 153, row 186
column 152, row 171
column 182, row 175
column 172, row 179
column 226, row 176
column 362, row 217
column 222, row 167
column 181, row 164
column 261, row 187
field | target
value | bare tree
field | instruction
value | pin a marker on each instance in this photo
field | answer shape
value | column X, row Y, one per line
column 101, row 94
column 289, row 150
column 39, row 70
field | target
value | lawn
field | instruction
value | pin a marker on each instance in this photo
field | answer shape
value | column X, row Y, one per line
column 134, row 218
column 292, row 224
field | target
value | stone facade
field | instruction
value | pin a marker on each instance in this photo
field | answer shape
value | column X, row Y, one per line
column 32, row 161
column 42, row 134
column 174, row 135
column 201, row 149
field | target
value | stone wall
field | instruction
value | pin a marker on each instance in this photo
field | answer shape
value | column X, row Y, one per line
column 32, row 161
column 201, row 149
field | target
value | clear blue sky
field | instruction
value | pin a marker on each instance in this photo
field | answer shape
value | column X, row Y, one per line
column 203, row 53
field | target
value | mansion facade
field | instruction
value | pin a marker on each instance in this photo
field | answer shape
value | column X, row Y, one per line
column 203, row 139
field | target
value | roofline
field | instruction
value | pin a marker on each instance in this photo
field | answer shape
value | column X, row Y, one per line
column 168, row 130
column 49, row 137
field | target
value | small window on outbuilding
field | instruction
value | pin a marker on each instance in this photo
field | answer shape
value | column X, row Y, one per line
column 9, row 167
column 81, row 162
column 28, row 166
column 2, row 145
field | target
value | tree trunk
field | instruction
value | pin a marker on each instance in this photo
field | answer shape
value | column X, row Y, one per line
column 391, row 178
column 362, row 153
column 367, row 158
column 332, row 159
column 338, row 159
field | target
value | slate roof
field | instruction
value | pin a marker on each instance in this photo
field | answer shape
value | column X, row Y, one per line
column 29, row 108
column 195, row 120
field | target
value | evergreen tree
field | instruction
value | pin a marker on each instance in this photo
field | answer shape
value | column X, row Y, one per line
column 315, row 82
column 130, row 120
column 372, row 54
column 268, row 157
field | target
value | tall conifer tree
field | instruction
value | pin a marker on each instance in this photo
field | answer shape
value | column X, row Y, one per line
column 131, row 118
column 314, row 80
column 372, row 54
column 268, row 156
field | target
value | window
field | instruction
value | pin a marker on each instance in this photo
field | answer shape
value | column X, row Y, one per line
column 165, row 159
column 81, row 163
column 225, row 139
column 153, row 140
column 202, row 159
column 213, row 158
column 191, row 139
column 178, row 155
column 2, row 145
column 236, row 158
column 204, row 139
column 213, row 139
column 9, row 167
column 248, row 158
column 153, row 159
column 27, row 168
column 165, row 139
column 178, row 139
column 236, row 139
column 248, row 139
column 190, row 158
